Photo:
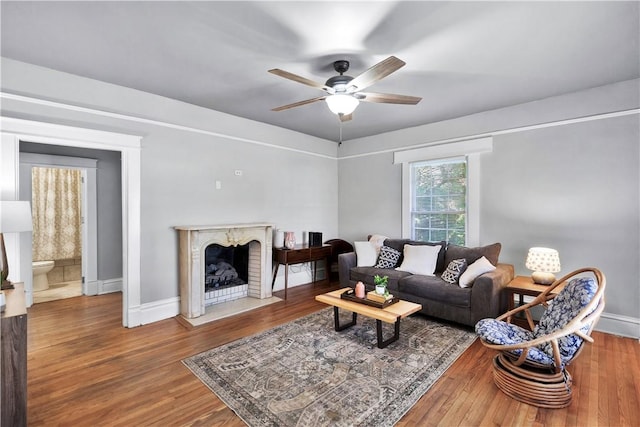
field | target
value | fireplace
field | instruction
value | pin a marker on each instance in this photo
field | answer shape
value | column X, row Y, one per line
column 199, row 246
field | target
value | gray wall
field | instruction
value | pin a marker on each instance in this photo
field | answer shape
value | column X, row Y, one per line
column 294, row 191
column 289, row 179
column 573, row 186
column 109, row 201
column 370, row 196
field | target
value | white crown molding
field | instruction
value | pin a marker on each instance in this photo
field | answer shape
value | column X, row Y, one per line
column 490, row 134
column 120, row 116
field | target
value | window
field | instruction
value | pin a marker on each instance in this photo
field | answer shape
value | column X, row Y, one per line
column 434, row 206
column 439, row 200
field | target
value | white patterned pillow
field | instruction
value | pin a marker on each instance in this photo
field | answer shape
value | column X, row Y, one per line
column 388, row 257
column 454, row 271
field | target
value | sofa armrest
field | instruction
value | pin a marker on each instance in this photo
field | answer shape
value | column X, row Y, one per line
column 488, row 298
column 346, row 261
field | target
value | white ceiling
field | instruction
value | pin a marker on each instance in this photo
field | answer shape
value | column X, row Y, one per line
column 462, row 57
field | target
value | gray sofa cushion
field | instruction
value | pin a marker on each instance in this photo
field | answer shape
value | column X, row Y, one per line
column 398, row 244
column 491, row 252
column 435, row 289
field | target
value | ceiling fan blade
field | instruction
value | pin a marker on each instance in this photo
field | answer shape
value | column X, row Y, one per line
column 388, row 98
column 298, row 104
column 377, row 72
column 297, row 78
column 345, row 117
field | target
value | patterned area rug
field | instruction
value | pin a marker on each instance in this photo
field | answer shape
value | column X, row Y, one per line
column 303, row 373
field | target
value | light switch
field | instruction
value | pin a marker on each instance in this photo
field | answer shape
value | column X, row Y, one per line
column 218, row 185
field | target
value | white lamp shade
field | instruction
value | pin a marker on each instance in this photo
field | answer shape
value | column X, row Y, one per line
column 543, row 259
column 342, row 104
column 15, row 216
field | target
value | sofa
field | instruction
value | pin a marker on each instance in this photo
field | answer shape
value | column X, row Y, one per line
column 417, row 271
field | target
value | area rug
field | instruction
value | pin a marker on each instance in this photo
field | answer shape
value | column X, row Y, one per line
column 303, row 373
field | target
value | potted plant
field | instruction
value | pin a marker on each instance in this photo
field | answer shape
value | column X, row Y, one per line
column 381, row 284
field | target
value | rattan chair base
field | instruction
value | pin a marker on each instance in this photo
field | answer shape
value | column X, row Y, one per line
column 531, row 385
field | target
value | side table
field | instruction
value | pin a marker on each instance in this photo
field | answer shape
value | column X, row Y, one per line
column 13, row 358
column 298, row 255
column 521, row 286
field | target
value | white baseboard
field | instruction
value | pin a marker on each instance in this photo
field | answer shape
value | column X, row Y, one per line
column 170, row 307
column 92, row 287
column 154, row 311
column 619, row 325
column 109, row 286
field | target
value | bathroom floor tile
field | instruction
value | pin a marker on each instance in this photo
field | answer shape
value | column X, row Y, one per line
column 58, row 291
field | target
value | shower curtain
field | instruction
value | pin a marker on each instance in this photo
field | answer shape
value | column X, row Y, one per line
column 57, row 213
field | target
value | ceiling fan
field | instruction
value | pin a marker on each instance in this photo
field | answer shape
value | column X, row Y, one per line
column 344, row 92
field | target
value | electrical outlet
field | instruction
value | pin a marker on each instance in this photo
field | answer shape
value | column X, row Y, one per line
column 238, row 172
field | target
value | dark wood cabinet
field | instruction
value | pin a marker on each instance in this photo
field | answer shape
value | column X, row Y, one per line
column 298, row 255
column 13, row 359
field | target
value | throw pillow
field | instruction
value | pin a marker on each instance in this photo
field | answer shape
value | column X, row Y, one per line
column 398, row 244
column 420, row 259
column 388, row 257
column 481, row 266
column 377, row 240
column 365, row 254
column 454, row 271
column 491, row 252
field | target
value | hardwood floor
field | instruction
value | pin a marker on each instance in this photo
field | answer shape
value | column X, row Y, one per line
column 85, row 369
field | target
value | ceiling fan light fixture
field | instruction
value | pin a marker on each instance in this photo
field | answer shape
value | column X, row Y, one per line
column 341, row 103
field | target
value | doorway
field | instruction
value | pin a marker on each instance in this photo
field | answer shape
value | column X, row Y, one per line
column 57, row 217
column 51, row 170
column 128, row 148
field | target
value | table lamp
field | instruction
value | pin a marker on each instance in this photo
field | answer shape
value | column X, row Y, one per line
column 544, row 262
column 15, row 217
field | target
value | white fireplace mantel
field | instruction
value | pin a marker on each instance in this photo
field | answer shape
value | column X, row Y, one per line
column 193, row 241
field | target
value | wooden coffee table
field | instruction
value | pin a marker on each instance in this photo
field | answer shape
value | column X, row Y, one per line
column 391, row 314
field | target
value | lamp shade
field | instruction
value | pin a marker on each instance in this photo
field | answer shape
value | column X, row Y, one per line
column 544, row 262
column 15, row 216
column 543, row 259
column 342, row 104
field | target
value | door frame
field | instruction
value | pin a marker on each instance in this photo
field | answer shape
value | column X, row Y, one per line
column 14, row 130
column 87, row 168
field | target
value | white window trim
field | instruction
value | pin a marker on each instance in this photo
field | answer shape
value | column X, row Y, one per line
column 471, row 149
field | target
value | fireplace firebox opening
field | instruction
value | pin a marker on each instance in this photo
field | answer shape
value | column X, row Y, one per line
column 226, row 266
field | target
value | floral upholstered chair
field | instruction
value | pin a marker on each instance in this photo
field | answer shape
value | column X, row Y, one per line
column 536, row 359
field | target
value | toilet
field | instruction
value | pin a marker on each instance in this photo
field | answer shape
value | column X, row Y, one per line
column 40, row 270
